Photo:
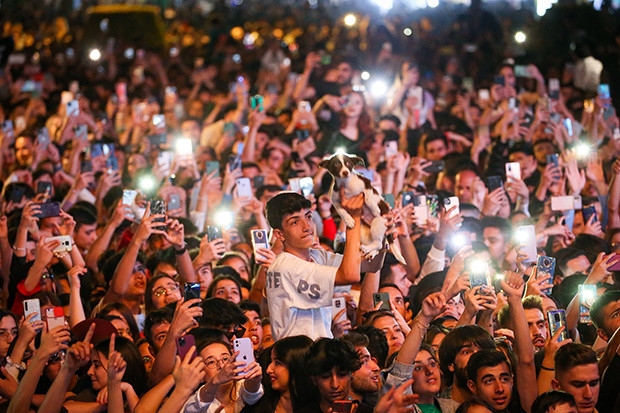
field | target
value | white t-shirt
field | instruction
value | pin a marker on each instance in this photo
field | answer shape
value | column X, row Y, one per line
column 299, row 294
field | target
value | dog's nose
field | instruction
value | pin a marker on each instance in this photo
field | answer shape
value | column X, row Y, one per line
column 345, row 173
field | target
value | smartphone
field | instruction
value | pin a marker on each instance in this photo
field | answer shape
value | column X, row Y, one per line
column 589, row 211
column 484, row 95
column 43, row 138
column 603, row 91
column 304, row 106
column 553, row 158
column 54, row 317
column 129, row 196
column 244, row 346
column 521, row 71
column 565, row 202
column 184, row 146
column 213, row 232
column 418, row 93
column 32, row 305
column 184, row 344
column 587, row 296
column 477, row 271
column 258, row 181
column 48, row 209
column 409, row 198
column 158, row 207
column 554, row 88
column 383, row 298
column 499, row 80
column 7, row 129
column 435, row 167
column 557, row 319
column 390, row 148
column 44, row 188
column 468, row 84
column 451, row 202
column 433, row 205
column 342, row 406
column 213, row 166
column 66, row 243
column 545, row 268
column 568, row 125
column 420, row 210
column 174, row 202
column 389, row 199
column 260, row 239
column 244, row 188
column 526, row 238
column 513, row 171
column 256, row 102
column 157, row 139
column 73, row 108
column 338, row 303
column 86, row 166
column 306, row 185
column 159, row 121
column 81, row 132
column 494, row 182
column 191, row 291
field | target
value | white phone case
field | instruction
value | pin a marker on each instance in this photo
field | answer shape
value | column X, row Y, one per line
column 246, row 351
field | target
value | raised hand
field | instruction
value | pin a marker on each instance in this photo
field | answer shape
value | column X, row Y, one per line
column 78, row 355
column 116, row 363
column 189, row 372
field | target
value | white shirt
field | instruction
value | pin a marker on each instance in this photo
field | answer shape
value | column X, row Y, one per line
column 299, row 294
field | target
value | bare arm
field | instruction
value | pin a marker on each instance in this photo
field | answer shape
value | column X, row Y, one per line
column 526, row 371
column 349, row 270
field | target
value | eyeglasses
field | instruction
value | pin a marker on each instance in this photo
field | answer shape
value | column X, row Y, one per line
column 56, row 358
column 238, row 332
column 214, row 363
column 47, row 275
column 166, row 290
column 147, row 359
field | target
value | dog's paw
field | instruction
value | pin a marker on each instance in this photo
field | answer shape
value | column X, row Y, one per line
column 349, row 221
column 370, row 255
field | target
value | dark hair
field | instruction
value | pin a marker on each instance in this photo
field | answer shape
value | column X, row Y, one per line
column 485, row 358
column 474, row 401
column 591, row 245
column 271, row 188
column 219, row 313
column 13, row 186
column 249, row 305
column 552, row 398
column 497, row 222
column 433, row 135
column 202, row 344
column 573, row 355
column 386, row 270
column 377, row 343
column 82, row 215
column 357, row 339
column 127, row 316
column 221, row 277
column 283, row 204
column 234, row 254
column 163, row 315
column 135, row 374
column 166, row 256
column 596, row 312
column 454, row 341
column 328, row 353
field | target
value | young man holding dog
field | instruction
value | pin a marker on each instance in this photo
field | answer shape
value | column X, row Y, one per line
column 300, row 282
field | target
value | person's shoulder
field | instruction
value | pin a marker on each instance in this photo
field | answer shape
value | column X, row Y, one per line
column 320, row 255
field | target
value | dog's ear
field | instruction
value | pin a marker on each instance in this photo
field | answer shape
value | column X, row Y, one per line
column 324, row 163
column 358, row 161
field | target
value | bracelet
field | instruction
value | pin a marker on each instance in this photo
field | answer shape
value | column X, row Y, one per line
column 21, row 366
column 182, row 250
column 18, row 249
column 421, row 325
column 546, row 368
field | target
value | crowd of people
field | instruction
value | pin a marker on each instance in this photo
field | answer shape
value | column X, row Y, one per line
column 173, row 238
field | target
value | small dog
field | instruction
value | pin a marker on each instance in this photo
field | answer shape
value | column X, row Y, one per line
column 341, row 167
